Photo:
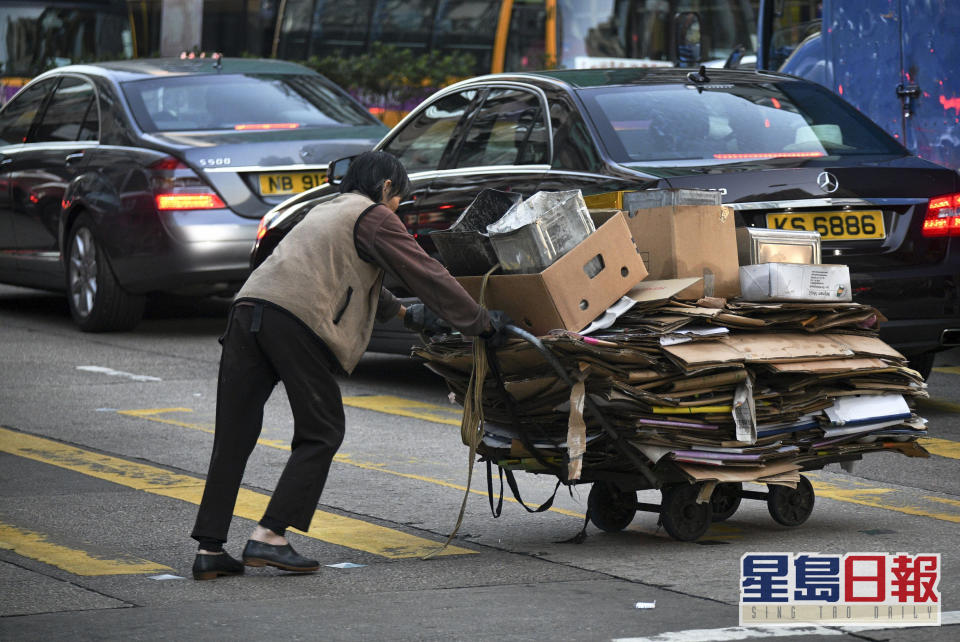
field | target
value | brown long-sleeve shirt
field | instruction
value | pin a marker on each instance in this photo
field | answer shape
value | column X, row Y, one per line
column 381, row 238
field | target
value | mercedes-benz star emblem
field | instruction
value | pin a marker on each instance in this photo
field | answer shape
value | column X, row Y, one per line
column 828, row 182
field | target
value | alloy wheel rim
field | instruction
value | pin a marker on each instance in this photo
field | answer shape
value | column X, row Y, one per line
column 83, row 272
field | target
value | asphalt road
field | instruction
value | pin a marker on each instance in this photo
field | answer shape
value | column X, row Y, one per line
column 104, row 443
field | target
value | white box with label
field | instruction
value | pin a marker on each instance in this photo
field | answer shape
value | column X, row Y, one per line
column 795, row 282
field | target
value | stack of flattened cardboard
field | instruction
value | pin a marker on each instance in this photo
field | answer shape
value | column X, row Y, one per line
column 710, row 390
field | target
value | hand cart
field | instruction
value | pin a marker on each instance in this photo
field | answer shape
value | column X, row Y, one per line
column 684, row 514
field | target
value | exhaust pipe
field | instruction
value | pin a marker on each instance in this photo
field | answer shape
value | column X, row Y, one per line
column 950, row 337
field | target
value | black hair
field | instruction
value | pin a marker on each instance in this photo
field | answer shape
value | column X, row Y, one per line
column 370, row 170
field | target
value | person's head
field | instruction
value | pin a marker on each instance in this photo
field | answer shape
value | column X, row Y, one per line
column 378, row 175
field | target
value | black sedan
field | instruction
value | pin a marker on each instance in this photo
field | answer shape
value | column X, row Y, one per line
column 782, row 151
column 122, row 179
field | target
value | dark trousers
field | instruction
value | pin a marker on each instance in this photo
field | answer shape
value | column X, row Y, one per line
column 258, row 351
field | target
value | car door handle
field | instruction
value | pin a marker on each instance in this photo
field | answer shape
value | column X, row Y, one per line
column 73, row 158
column 5, row 162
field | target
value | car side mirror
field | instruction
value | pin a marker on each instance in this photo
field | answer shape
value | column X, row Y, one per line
column 338, row 169
column 687, row 53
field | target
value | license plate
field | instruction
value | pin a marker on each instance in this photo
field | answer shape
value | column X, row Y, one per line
column 833, row 226
column 290, row 182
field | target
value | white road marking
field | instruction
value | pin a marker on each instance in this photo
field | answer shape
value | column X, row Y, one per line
column 745, row 633
column 734, row 633
column 118, row 373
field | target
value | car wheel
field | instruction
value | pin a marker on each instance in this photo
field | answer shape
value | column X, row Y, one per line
column 923, row 363
column 97, row 302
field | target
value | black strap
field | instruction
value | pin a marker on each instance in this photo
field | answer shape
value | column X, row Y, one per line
column 512, row 482
column 580, row 537
column 257, row 318
column 499, row 509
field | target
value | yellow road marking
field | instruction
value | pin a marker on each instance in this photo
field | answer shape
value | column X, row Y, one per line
column 150, row 414
column 38, row 547
column 948, row 369
column 407, row 408
column 944, row 500
column 856, row 492
column 936, row 404
column 723, row 531
column 941, row 447
column 336, row 529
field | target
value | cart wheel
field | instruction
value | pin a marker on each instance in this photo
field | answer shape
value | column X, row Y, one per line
column 789, row 506
column 610, row 508
column 725, row 500
column 681, row 515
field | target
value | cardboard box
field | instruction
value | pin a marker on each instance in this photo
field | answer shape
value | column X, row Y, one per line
column 795, row 282
column 565, row 295
column 689, row 241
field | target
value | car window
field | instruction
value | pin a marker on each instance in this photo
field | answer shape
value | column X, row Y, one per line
column 421, row 143
column 676, row 123
column 572, row 144
column 242, row 102
column 68, row 115
column 16, row 119
column 508, row 130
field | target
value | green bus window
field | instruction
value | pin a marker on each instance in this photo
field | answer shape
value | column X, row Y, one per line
column 464, row 26
column 526, row 37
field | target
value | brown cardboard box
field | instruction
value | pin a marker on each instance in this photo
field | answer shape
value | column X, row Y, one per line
column 686, row 241
column 565, row 295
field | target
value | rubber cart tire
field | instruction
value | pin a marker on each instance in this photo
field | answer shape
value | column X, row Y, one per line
column 791, row 506
column 682, row 517
column 610, row 508
column 725, row 501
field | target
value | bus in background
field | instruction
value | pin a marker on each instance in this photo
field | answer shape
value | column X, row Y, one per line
column 514, row 35
column 894, row 61
column 35, row 36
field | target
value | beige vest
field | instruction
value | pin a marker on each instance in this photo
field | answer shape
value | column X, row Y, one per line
column 316, row 274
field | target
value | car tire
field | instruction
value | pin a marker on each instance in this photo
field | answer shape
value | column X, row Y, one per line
column 923, row 363
column 97, row 302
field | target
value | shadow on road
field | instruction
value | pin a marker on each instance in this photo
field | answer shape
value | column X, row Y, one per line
column 164, row 314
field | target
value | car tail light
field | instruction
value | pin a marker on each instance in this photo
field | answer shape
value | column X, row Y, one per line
column 759, row 155
column 264, row 126
column 168, row 164
column 262, row 228
column 201, row 201
column 943, row 216
column 177, row 187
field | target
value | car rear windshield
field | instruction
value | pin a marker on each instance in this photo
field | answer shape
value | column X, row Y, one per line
column 241, row 102
column 683, row 124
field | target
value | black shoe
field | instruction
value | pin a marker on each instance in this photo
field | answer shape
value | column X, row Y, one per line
column 208, row 567
column 259, row 554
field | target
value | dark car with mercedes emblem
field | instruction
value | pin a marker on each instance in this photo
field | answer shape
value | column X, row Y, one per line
column 122, row 179
column 784, row 153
